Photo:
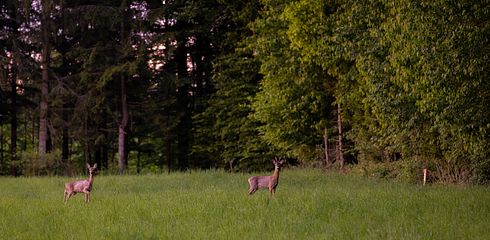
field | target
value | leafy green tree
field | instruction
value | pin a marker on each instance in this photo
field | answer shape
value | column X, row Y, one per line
column 412, row 88
column 292, row 102
column 437, row 59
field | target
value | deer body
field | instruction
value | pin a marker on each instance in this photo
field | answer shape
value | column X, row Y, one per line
column 268, row 182
column 81, row 186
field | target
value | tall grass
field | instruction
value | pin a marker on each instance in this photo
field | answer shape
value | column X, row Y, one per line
column 309, row 204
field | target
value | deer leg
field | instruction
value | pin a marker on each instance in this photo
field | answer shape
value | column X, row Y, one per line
column 252, row 191
column 87, row 196
column 68, row 196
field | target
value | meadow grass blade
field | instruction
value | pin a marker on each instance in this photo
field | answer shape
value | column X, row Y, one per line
column 309, row 204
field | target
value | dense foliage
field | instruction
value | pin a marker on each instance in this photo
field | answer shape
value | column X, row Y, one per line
column 393, row 86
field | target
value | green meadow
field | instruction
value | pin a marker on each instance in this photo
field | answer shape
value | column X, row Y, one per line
column 309, row 204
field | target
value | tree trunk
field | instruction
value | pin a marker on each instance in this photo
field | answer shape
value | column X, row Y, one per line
column 14, row 69
column 26, row 133
column 105, row 148
column 138, row 162
column 86, row 150
column 64, row 71
column 123, row 125
column 185, row 102
column 325, row 148
column 34, row 128
column 340, row 155
column 98, row 155
column 43, row 106
column 123, row 161
column 13, row 109
column 105, row 156
column 65, row 145
column 168, row 153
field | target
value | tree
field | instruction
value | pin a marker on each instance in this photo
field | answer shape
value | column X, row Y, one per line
column 436, row 59
column 123, row 124
column 45, row 60
column 10, row 59
column 292, row 103
column 15, row 73
column 225, row 133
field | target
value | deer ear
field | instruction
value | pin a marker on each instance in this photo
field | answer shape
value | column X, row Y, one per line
column 87, row 165
column 95, row 165
column 282, row 162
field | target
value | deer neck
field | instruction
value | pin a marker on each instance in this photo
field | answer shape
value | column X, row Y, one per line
column 275, row 175
column 90, row 178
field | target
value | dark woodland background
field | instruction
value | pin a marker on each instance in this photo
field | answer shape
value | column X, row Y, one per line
column 380, row 87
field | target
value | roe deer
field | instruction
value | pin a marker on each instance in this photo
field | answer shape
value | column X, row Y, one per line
column 269, row 182
column 80, row 186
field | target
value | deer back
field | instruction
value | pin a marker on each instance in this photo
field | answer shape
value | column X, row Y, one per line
column 78, row 186
column 260, row 181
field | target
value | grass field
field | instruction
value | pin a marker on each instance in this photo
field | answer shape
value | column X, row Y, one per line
column 309, row 204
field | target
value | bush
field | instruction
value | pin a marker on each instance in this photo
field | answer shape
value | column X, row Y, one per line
column 378, row 170
column 32, row 165
column 411, row 170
